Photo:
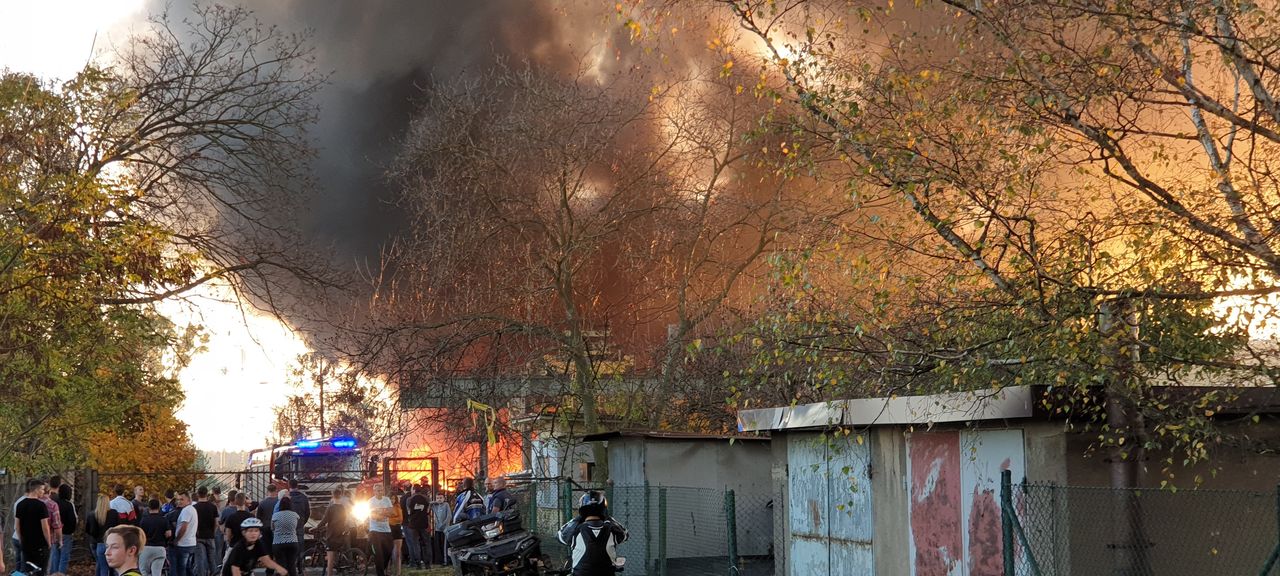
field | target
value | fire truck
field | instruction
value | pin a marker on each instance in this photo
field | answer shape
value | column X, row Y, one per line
column 318, row 464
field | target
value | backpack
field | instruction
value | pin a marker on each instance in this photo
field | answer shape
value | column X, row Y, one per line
column 471, row 506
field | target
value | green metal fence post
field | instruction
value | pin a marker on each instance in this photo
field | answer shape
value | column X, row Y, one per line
column 532, row 496
column 1006, row 521
column 648, row 525
column 731, row 524
column 566, row 501
column 1275, row 552
column 1271, row 561
column 662, row 531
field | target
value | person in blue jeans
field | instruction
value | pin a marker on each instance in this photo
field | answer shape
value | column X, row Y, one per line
column 67, row 511
column 417, row 519
column 96, row 526
column 206, row 524
column 184, row 537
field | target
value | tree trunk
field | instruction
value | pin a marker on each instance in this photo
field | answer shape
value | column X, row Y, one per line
column 670, row 366
column 584, row 388
column 1118, row 323
column 583, row 373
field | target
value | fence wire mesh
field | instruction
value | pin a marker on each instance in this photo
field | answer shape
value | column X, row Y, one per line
column 673, row 531
column 1143, row 532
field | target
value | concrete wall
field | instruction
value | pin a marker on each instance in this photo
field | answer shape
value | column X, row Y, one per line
column 627, row 462
column 778, row 491
column 889, row 486
column 1195, row 530
column 1251, row 462
column 715, row 464
column 712, row 466
column 1045, row 448
column 695, row 474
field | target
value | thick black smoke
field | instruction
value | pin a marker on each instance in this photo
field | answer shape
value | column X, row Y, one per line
column 381, row 54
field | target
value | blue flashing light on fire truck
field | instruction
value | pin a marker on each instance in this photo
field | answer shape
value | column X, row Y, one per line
column 319, row 465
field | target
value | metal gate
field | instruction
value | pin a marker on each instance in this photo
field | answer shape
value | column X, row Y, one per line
column 829, row 504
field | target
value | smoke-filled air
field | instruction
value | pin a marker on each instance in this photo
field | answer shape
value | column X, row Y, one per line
column 614, row 245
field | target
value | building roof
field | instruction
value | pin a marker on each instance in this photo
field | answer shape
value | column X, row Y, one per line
column 668, row 435
column 1013, row 402
column 995, row 404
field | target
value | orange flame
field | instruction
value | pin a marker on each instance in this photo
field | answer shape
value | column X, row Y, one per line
column 457, row 460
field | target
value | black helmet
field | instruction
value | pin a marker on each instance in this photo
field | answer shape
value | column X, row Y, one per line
column 593, row 497
column 593, row 503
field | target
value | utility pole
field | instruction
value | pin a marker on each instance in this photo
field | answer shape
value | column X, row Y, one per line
column 320, row 382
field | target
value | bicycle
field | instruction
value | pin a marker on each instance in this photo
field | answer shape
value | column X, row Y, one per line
column 31, row 570
column 352, row 560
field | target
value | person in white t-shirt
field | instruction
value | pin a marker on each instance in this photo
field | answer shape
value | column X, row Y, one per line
column 184, row 536
column 380, row 528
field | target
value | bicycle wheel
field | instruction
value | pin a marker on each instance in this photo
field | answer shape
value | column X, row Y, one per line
column 359, row 562
column 314, row 556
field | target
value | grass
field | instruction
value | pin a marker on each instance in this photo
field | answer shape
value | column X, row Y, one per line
column 437, row 571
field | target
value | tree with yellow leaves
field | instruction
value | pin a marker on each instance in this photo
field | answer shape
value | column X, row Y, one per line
column 144, row 443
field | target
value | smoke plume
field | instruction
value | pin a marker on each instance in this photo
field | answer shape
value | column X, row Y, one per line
column 381, row 54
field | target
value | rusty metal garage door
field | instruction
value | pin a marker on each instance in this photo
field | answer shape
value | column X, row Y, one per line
column 954, row 484
column 829, row 509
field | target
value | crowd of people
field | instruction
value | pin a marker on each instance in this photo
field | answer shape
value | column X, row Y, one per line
column 44, row 521
column 189, row 534
column 195, row 534
column 202, row 533
column 192, row 534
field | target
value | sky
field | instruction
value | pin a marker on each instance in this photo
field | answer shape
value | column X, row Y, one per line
column 382, row 53
column 248, row 354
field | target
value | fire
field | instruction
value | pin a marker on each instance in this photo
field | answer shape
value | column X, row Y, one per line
column 457, row 458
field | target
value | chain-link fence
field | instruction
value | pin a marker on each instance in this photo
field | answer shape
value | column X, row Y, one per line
column 1068, row 530
column 13, row 487
column 155, row 484
column 90, row 484
column 672, row 531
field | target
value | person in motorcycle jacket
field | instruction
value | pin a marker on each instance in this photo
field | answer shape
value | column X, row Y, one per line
column 593, row 538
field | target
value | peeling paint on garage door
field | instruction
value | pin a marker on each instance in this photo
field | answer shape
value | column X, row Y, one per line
column 934, row 472
column 829, row 505
column 954, row 484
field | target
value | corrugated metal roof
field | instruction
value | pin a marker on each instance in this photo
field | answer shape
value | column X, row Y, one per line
column 666, row 435
column 993, row 404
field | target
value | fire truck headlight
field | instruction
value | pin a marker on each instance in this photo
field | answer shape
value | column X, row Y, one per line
column 361, row 510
